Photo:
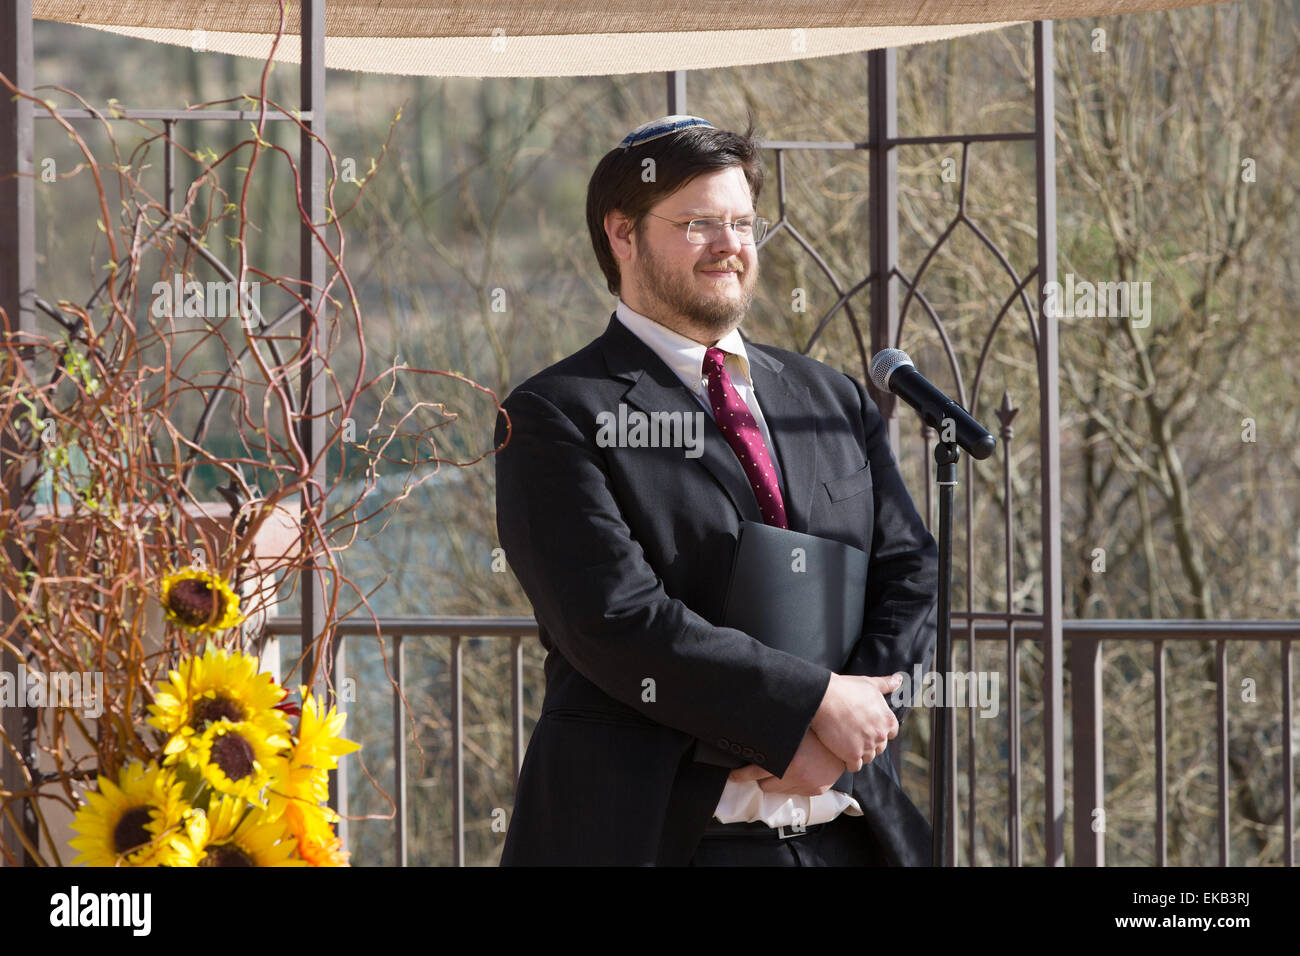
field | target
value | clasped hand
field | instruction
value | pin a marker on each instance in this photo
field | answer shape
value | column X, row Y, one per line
column 851, row 728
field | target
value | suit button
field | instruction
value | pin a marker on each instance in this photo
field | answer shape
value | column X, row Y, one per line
column 759, row 757
column 724, row 743
column 748, row 753
column 735, row 748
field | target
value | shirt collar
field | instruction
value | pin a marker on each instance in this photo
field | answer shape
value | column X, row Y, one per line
column 683, row 355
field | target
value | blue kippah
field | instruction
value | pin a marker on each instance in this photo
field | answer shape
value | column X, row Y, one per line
column 661, row 127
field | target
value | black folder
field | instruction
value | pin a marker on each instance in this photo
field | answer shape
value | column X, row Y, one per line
column 798, row 593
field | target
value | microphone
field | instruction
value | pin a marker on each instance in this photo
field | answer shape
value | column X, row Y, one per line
column 893, row 371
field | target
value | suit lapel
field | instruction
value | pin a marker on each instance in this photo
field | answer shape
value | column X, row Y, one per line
column 655, row 388
column 786, row 407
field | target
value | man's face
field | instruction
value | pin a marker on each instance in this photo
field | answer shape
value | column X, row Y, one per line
column 701, row 291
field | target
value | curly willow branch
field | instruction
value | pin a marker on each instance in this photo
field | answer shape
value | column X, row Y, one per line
column 114, row 445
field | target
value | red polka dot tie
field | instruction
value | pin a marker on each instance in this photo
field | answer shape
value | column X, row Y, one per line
column 738, row 425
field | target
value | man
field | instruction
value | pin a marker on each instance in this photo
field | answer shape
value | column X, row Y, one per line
column 624, row 544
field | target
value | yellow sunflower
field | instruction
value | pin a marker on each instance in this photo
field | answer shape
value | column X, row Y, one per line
column 230, row 834
column 238, row 759
column 304, row 776
column 132, row 822
column 218, row 686
column 199, row 600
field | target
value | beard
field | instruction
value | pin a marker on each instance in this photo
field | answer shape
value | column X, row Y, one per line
column 716, row 313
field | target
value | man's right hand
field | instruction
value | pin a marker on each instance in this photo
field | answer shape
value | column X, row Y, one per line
column 854, row 720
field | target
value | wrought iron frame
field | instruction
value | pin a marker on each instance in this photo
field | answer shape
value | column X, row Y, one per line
column 886, row 324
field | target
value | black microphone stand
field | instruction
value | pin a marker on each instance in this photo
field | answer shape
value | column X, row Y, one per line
column 942, row 727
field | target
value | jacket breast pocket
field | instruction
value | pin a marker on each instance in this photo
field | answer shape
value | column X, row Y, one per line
column 849, row 486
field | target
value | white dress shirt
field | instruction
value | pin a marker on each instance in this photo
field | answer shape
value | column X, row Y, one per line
column 742, row 802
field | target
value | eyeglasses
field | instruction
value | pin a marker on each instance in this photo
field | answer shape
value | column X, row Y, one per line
column 749, row 230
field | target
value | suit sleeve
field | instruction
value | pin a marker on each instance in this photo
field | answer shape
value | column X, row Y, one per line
column 899, row 626
column 592, row 589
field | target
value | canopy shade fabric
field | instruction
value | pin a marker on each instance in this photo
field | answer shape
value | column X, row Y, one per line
column 568, row 37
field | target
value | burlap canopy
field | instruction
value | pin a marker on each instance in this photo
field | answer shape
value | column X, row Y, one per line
column 569, row 37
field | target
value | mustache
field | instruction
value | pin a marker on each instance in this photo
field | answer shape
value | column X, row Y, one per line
column 720, row 266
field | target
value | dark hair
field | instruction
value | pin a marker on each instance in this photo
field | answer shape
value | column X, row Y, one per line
column 678, row 158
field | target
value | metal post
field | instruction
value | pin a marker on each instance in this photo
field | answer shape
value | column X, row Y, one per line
column 17, row 298
column 399, row 754
column 676, row 91
column 1162, row 789
column 1049, row 432
column 1006, row 413
column 312, row 427
column 882, row 121
column 458, row 752
column 1221, row 706
column 312, row 258
column 943, row 728
column 1089, row 775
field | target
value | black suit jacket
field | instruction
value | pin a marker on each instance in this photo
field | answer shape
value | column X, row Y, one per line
column 625, row 554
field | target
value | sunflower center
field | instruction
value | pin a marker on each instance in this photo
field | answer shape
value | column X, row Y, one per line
column 226, row 854
column 131, row 831
column 234, row 755
column 192, row 601
column 209, row 710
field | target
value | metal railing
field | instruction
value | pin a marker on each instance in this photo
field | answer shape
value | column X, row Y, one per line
column 1085, row 638
column 398, row 629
